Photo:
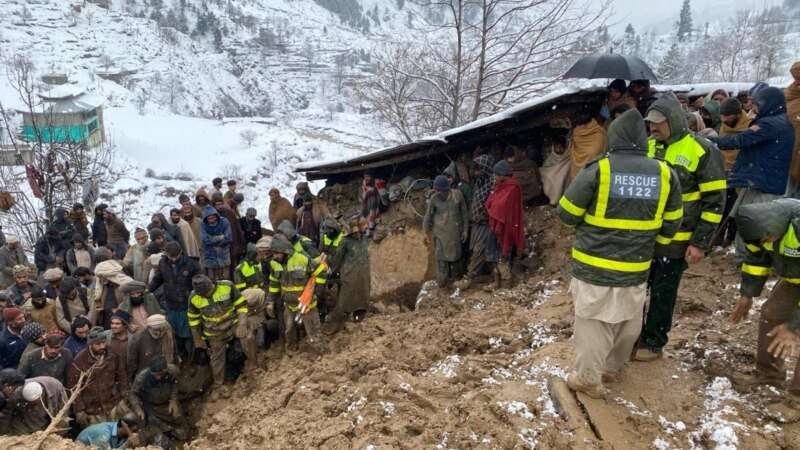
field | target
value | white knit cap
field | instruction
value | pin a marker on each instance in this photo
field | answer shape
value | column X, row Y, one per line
column 32, row 391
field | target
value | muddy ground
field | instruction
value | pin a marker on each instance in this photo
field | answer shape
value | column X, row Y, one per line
column 470, row 370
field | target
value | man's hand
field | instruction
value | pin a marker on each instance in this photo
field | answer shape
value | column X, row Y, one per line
column 464, row 236
column 198, row 341
column 694, row 254
column 741, row 309
column 784, row 341
column 174, row 408
column 133, row 328
column 241, row 332
column 755, row 128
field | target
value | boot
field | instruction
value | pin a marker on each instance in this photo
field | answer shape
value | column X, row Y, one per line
column 593, row 391
column 463, row 284
column 613, row 377
column 496, row 283
column 647, row 355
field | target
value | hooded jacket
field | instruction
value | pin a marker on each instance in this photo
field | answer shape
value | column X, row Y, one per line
column 621, row 204
column 712, row 108
column 99, row 233
column 197, row 208
column 459, row 183
column 45, row 252
column 216, row 240
column 72, row 260
column 64, row 227
column 281, row 209
column 299, row 242
column 765, row 153
column 780, row 218
column 701, row 171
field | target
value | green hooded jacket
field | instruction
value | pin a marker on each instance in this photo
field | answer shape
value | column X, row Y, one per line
column 779, row 218
column 712, row 107
column 621, row 204
column 701, row 170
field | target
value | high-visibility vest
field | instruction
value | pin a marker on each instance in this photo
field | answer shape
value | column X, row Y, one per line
column 217, row 314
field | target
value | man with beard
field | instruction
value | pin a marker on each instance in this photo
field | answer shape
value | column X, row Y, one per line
column 154, row 397
column 33, row 337
column 189, row 243
column 41, row 309
column 52, row 282
column 11, row 343
column 153, row 341
column 139, row 304
column 52, row 360
column 22, row 286
column 80, row 331
column 77, row 216
column 102, row 397
column 171, row 231
column 99, row 233
column 175, row 273
column 71, row 304
column 194, row 223
column 11, row 255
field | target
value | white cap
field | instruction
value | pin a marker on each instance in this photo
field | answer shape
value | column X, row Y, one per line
column 32, row 391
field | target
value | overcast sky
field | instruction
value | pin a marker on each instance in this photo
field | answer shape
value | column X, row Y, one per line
column 662, row 14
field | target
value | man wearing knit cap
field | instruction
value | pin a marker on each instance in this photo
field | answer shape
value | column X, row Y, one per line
column 41, row 309
column 153, row 341
column 154, row 397
column 102, row 397
column 43, row 399
column 447, row 220
column 71, row 303
column 52, row 282
column 792, row 94
column 21, row 287
column 139, row 304
column 11, row 255
column 11, row 343
column 52, row 360
column 506, row 222
column 174, row 275
column 217, row 314
column 77, row 340
column 251, row 227
column 119, row 336
column 33, row 336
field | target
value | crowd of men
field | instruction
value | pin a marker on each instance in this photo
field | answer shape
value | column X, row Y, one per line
column 676, row 178
column 113, row 324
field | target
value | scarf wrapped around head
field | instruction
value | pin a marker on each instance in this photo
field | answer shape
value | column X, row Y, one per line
column 481, row 188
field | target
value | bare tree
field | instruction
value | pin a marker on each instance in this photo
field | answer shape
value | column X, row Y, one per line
column 60, row 165
column 106, row 62
column 248, row 136
column 479, row 56
column 142, row 97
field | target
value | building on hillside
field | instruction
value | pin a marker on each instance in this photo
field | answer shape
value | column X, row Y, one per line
column 67, row 115
column 100, row 3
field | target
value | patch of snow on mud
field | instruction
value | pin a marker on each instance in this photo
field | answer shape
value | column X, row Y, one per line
column 717, row 424
column 424, row 292
column 528, row 436
column 517, row 408
column 445, row 367
column 388, row 408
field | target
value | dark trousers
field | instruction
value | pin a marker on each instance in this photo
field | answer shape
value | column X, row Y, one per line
column 730, row 199
column 777, row 310
column 665, row 277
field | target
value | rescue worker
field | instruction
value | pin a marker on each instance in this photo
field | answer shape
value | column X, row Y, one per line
column 328, row 246
column 770, row 232
column 154, row 398
column 248, row 274
column 620, row 204
column 299, row 242
column 217, row 313
column 447, row 220
column 290, row 272
column 701, row 168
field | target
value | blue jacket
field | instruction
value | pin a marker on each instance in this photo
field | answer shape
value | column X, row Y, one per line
column 216, row 240
column 102, row 435
column 764, row 156
column 11, row 348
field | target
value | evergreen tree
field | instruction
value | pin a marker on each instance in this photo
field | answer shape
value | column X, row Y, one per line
column 685, row 21
column 630, row 40
column 217, row 39
column 669, row 68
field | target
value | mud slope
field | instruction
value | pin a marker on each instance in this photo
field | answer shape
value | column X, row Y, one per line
column 470, row 370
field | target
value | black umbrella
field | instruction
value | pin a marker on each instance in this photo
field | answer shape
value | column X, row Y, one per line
column 611, row 65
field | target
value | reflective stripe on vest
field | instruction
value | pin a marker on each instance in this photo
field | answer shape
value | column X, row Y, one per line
column 686, row 153
column 621, row 266
column 789, row 245
column 247, row 271
column 297, row 261
column 599, row 219
column 757, row 271
column 326, row 241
